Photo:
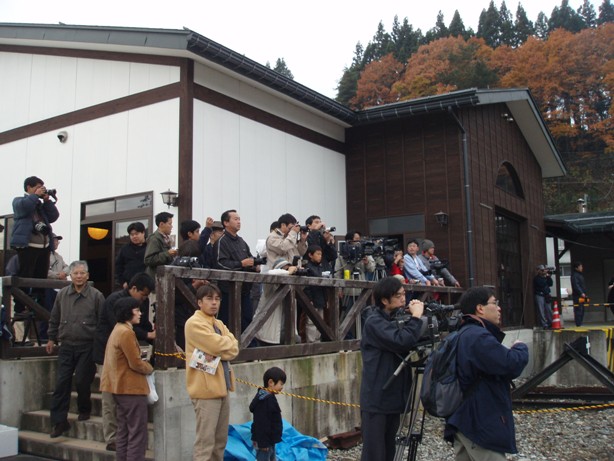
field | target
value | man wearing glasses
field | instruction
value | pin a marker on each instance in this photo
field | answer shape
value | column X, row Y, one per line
column 384, row 344
column 485, row 370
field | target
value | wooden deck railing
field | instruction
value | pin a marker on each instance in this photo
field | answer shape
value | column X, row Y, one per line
column 289, row 291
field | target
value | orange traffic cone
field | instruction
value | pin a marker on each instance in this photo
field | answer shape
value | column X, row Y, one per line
column 556, row 319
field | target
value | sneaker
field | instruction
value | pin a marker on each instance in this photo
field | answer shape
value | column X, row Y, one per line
column 59, row 429
column 83, row 417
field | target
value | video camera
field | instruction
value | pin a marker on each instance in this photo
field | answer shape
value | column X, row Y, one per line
column 437, row 318
column 355, row 251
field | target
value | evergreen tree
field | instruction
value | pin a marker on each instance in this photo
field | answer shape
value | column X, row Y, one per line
column 564, row 17
column 523, row 28
column 489, row 26
column 606, row 12
column 587, row 13
column 282, row 68
column 506, row 25
column 541, row 26
column 346, row 89
column 439, row 31
column 405, row 40
column 379, row 47
column 457, row 27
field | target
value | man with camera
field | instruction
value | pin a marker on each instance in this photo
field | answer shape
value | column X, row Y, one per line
column 233, row 254
column 323, row 237
column 286, row 241
column 437, row 267
column 31, row 236
column 384, row 344
column 482, row 427
column 541, row 291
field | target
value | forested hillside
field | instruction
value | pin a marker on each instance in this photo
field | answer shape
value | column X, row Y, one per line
column 566, row 60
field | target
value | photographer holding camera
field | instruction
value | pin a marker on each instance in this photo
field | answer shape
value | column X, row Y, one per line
column 384, row 344
column 323, row 237
column 31, row 237
column 541, row 290
column 286, row 241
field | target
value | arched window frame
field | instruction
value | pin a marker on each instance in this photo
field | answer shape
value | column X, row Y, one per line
column 508, row 180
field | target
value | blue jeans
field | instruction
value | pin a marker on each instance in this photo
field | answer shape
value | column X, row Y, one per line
column 266, row 454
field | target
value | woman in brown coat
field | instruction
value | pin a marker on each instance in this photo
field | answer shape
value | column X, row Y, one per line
column 123, row 375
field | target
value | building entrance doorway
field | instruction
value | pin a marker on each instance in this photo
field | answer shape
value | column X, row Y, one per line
column 104, row 231
column 509, row 266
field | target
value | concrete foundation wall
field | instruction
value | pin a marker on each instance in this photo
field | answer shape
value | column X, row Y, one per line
column 24, row 384
column 334, row 377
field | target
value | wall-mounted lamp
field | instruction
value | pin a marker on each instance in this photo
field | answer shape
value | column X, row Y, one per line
column 170, row 198
column 97, row 233
column 442, row 218
column 62, row 136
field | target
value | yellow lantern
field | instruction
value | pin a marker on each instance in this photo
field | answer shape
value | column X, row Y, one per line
column 97, row 233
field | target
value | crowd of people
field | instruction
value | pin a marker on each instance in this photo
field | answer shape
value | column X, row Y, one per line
column 109, row 336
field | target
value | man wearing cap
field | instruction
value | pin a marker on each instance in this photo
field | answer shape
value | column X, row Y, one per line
column 211, row 233
column 433, row 263
column 58, row 269
column 541, row 291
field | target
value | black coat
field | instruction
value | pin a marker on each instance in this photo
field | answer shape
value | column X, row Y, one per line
column 317, row 295
column 129, row 262
column 383, row 345
column 267, row 426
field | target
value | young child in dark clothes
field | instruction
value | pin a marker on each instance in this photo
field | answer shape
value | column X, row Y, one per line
column 317, row 295
column 267, row 426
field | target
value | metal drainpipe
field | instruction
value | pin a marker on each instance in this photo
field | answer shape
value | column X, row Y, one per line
column 468, row 214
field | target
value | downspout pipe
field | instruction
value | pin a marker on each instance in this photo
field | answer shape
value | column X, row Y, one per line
column 467, row 183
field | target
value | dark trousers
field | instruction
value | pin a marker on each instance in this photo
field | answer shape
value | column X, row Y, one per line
column 378, row 436
column 131, row 438
column 247, row 313
column 34, row 264
column 578, row 313
column 77, row 360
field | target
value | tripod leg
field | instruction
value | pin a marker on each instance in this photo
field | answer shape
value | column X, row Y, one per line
column 414, row 416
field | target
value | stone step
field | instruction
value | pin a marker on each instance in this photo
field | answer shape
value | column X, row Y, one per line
column 40, row 421
column 66, row 448
column 96, row 399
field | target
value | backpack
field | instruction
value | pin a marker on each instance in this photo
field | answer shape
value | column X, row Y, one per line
column 441, row 393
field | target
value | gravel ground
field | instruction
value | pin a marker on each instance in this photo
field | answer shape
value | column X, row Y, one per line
column 586, row 435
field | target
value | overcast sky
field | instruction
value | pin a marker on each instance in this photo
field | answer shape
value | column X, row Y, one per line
column 316, row 38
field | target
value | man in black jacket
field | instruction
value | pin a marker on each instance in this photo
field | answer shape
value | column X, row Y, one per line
column 130, row 258
column 384, row 344
column 578, row 287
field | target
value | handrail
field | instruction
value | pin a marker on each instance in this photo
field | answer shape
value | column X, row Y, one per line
column 334, row 330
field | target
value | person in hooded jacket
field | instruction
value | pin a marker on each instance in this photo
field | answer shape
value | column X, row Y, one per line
column 482, row 427
column 267, row 427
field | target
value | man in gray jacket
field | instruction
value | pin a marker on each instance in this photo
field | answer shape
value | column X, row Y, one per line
column 73, row 324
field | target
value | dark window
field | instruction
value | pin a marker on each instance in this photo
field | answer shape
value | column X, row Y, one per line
column 507, row 179
column 509, row 257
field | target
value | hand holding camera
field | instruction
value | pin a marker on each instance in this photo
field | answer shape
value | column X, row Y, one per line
column 416, row 308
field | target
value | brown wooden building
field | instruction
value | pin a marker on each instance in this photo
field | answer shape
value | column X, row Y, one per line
column 479, row 157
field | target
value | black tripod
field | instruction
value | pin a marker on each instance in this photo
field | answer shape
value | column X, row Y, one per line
column 411, row 426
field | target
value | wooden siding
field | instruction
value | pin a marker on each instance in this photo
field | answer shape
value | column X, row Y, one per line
column 415, row 166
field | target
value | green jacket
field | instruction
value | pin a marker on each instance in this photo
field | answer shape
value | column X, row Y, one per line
column 156, row 253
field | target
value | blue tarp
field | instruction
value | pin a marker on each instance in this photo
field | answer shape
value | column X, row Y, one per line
column 294, row 446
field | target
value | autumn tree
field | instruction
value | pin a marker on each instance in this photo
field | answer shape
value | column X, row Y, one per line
column 375, row 86
column 445, row 65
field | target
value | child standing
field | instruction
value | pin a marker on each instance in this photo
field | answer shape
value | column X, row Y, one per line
column 209, row 347
column 317, row 295
column 267, row 426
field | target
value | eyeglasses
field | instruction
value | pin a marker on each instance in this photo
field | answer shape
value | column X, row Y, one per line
column 495, row 302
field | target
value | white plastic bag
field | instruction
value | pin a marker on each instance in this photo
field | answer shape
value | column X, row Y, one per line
column 152, row 397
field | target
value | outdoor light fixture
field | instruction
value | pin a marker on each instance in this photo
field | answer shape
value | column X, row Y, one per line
column 442, row 218
column 170, row 198
column 97, row 233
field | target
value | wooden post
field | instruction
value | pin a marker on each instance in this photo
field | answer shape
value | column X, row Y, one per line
column 165, row 319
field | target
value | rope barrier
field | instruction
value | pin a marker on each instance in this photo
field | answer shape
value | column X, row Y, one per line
column 181, row 356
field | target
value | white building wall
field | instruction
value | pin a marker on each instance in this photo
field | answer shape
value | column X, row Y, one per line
column 126, row 153
column 37, row 87
column 262, row 173
column 276, row 104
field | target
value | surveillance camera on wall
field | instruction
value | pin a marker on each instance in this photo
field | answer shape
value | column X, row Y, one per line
column 62, row 136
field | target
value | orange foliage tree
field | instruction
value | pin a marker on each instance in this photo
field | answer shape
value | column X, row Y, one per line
column 376, row 81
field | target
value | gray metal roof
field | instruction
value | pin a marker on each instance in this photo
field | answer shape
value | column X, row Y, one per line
column 581, row 223
column 173, row 42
